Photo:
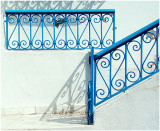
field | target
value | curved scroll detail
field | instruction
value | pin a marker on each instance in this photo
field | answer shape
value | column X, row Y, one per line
column 48, row 18
column 118, row 55
column 83, row 18
column 12, row 19
column 25, row 18
column 48, row 44
column 96, row 18
column 14, row 44
column 72, row 18
column 104, row 63
column 84, row 43
column 60, row 44
column 131, row 75
column 148, row 38
column 95, row 43
column 24, row 44
column 71, row 44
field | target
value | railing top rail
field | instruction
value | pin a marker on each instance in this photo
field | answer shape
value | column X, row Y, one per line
column 126, row 39
column 71, row 11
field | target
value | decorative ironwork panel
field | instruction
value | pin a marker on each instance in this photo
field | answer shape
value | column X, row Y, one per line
column 130, row 62
column 59, row 29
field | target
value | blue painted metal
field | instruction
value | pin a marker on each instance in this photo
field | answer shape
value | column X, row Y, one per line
column 91, row 87
column 127, row 39
column 127, row 62
column 57, row 24
column 74, row 11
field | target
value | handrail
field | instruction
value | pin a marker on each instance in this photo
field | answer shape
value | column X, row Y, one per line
column 82, row 11
column 126, row 39
column 126, row 63
column 59, row 29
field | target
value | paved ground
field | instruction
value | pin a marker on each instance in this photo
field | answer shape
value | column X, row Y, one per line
column 34, row 122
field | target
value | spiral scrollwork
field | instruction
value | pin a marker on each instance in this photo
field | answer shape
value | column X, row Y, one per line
column 12, row 19
column 72, row 18
column 108, row 42
column 83, row 18
column 119, row 84
column 25, row 18
column 95, row 18
column 35, row 18
column 24, row 44
column 48, row 18
column 60, row 44
column 47, row 44
column 150, row 65
column 95, row 43
column 14, row 44
column 84, row 43
column 105, row 18
column 71, row 44
column 59, row 19
column 148, row 37
column 116, row 55
column 131, row 76
column 104, row 62
column 101, row 94
column 37, row 43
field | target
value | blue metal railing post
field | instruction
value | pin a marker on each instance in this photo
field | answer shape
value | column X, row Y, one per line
column 157, row 33
column 42, row 20
column 7, row 42
column 18, row 21
column 114, row 28
column 92, row 84
column 30, row 22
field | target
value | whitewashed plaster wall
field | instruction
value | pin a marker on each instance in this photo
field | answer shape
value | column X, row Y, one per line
column 57, row 78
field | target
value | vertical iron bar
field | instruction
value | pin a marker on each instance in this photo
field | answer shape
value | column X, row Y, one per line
column 54, row 37
column 95, row 67
column 65, row 20
column 101, row 31
column 126, row 48
column 110, row 75
column 30, row 32
column 89, row 22
column 92, row 84
column 141, row 56
column 18, row 32
column 157, row 33
column 113, row 28
column 78, row 42
column 94, row 72
column 42, row 19
column 7, row 42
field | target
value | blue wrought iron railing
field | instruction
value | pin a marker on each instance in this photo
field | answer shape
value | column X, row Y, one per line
column 59, row 29
column 126, row 63
column 113, row 70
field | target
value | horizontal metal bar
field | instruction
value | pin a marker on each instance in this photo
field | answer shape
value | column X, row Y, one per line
column 126, row 39
column 81, row 11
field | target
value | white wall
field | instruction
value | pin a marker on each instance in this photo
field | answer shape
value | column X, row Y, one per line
column 49, row 78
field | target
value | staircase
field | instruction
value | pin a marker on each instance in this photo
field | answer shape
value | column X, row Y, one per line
column 124, row 64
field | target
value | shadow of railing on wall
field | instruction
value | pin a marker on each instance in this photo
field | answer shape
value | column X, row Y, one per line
column 49, row 5
column 74, row 93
